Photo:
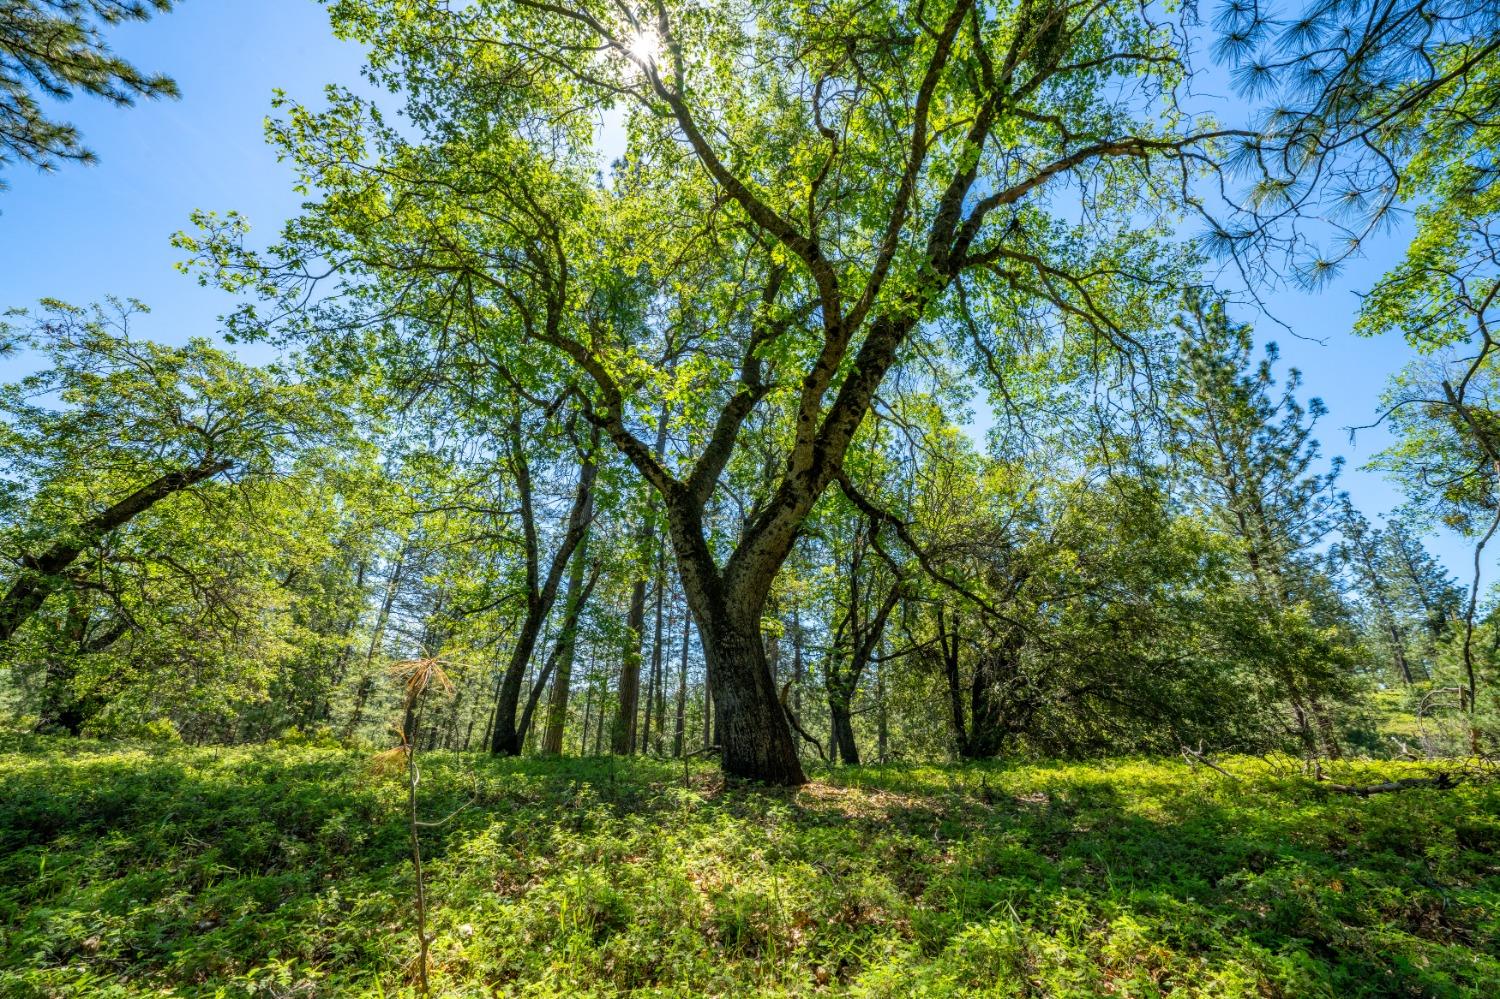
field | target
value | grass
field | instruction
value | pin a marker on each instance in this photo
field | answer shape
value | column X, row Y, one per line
column 137, row 871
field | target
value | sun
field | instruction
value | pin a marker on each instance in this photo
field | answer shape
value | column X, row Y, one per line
column 645, row 47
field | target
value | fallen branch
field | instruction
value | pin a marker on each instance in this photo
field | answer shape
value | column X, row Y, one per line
column 1440, row 781
column 1196, row 756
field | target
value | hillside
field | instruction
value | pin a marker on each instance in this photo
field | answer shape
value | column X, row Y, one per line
column 285, row 871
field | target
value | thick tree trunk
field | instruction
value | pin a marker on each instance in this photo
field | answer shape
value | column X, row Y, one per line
column 39, row 576
column 753, row 734
column 986, row 721
column 842, row 727
column 750, row 725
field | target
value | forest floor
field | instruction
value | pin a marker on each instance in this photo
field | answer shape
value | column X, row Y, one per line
column 283, row 871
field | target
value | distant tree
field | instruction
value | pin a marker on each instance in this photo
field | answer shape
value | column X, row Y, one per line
column 112, row 426
column 1253, row 464
column 1407, row 598
column 56, row 49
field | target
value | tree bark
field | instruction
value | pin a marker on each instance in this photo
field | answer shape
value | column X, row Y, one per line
column 562, row 647
column 588, row 708
column 842, row 726
column 751, row 728
column 986, row 721
column 623, row 727
column 949, row 643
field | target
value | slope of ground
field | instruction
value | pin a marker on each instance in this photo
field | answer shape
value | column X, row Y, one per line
column 285, row 872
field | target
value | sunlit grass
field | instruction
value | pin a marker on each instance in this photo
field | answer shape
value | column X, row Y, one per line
column 284, row 871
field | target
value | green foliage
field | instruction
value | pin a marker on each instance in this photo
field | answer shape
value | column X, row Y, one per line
column 201, row 602
column 54, row 49
column 148, row 872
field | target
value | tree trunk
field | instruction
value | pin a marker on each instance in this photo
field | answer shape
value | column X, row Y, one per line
column 62, row 710
column 753, row 734
column 509, row 734
column 599, row 720
column 567, row 645
column 679, row 736
column 842, row 727
column 653, row 688
column 623, row 729
column 588, row 709
column 506, row 738
column 798, row 670
column 986, row 724
column 950, row 646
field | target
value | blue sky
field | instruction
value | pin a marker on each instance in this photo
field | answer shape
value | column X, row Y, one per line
column 86, row 232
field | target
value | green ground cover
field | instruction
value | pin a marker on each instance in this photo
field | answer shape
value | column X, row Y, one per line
column 141, row 871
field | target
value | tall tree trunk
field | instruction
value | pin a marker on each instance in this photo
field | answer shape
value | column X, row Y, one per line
column 562, row 647
column 653, row 684
column 599, row 721
column 567, row 645
column 679, row 735
column 41, row 574
column 377, row 634
column 623, row 729
column 588, row 708
column 986, row 724
column 506, row 737
column 949, row 642
column 798, row 667
column 842, row 729
column 346, row 646
column 508, row 734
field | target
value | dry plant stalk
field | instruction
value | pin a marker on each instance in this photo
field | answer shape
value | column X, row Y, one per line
column 418, row 677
